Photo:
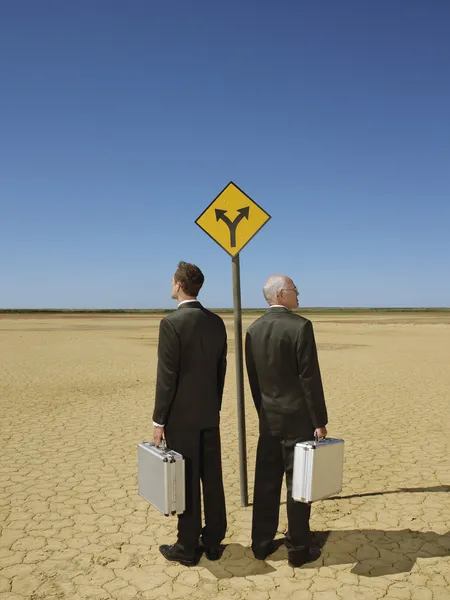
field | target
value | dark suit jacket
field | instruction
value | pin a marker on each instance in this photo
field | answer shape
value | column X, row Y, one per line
column 284, row 374
column 192, row 359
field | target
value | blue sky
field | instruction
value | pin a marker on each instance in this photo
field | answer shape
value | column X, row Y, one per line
column 121, row 121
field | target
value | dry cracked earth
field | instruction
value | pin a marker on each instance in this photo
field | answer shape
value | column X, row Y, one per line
column 76, row 397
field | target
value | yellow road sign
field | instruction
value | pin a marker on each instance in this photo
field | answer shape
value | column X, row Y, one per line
column 232, row 219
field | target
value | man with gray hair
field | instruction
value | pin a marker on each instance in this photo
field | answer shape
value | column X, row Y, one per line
column 284, row 375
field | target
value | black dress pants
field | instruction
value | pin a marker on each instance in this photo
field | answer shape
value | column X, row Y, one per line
column 274, row 458
column 203, row 462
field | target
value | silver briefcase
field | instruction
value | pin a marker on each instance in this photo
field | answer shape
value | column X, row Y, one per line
column 318, row 469
column 161, row 478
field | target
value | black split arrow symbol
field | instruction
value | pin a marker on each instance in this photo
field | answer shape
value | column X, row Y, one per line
column 232, row 225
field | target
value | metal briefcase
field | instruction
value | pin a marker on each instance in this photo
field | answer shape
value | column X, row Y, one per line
column 318, row 469
column 161, row 478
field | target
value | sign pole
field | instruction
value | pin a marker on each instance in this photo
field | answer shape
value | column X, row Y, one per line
column 232, row 220
column 236, row 269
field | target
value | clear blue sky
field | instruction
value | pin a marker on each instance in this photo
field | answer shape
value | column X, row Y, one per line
column 121, row 121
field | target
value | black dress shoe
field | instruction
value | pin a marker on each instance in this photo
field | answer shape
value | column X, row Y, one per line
column 214, row 552
column 265, row 551
column 176, row 553
column 297, row 559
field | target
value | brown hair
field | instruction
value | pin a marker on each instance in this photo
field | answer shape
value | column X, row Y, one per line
column 190, row 277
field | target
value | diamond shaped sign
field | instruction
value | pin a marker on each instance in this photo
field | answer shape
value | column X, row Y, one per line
column 232, row 219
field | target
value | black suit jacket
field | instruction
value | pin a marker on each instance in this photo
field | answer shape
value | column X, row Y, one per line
column 192, row 360
column 284, row 374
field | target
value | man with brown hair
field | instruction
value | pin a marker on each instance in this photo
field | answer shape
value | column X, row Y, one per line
column 192, row 352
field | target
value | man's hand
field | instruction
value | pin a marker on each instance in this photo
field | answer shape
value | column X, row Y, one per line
column 320, row 432
column 158, row 433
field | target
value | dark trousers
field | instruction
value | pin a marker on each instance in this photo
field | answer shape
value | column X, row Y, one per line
column 274, row 458
column 203, row 462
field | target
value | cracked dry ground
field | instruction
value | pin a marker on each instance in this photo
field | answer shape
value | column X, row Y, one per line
column 76, row 396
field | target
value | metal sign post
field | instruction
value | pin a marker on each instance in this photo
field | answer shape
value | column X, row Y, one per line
column 236, row 268
column 232, row 220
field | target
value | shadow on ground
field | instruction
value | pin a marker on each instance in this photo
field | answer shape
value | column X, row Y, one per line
column 443, row 489
column 423, row 490
column 372, row 552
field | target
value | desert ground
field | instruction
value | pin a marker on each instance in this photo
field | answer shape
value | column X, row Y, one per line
column 76, row 397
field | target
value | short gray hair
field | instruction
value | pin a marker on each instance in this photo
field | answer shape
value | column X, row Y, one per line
column 272, row 286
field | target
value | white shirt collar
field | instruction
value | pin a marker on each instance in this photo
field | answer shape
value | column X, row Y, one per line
column 278, row 306
column 185, row 301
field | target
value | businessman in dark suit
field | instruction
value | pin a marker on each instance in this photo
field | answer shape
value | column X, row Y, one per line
column 192, row 351
column 286, row 385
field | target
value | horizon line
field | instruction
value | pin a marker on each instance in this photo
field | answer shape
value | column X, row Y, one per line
column 255, row 308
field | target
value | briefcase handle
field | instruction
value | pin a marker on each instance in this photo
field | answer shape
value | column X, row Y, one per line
column 318, row 439
column 162, row 445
